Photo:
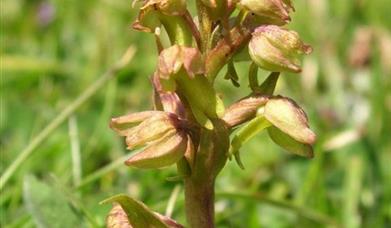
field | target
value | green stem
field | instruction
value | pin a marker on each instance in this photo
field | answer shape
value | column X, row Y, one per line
column 199, row 203
column 199, row 187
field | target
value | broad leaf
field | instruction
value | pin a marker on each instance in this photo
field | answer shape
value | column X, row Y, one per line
column 48, row 206
column 139, row 214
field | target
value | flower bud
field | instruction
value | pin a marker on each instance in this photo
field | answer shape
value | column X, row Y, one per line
column 268, row 11
column 161, row 153
column 287, row 116
column 276, row 49
column 287, row 40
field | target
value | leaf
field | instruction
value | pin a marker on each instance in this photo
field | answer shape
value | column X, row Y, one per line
column 48, row 206
column 139, row 214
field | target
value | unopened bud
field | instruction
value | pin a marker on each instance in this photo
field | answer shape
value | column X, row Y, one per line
column 164, row 152
column 268, row 11
column 287, row 116
column 276, row 49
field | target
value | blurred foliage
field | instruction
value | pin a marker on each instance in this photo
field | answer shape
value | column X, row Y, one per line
column 52, row 50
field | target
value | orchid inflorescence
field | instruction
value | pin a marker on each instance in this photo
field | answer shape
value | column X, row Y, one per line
column 190, row 125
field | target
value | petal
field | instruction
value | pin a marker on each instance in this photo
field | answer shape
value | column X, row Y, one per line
column 290, row 144
column 162, row 153
column 149, row 130
column 123, row 124
column 286, row 115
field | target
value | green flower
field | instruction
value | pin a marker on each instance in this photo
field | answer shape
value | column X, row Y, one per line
column 162, row 136
column 276, row 49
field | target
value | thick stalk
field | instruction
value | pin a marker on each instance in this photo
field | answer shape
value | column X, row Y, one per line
column 199, row 203
column 211, row 156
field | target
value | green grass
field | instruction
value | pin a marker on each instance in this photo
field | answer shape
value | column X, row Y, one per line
column 45, row 67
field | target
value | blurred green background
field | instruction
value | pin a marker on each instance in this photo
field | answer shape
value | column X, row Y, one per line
column 51, row 51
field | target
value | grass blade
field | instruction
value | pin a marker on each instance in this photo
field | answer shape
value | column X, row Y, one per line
column 69, row 110
column 301, row 211
column 75, row 150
